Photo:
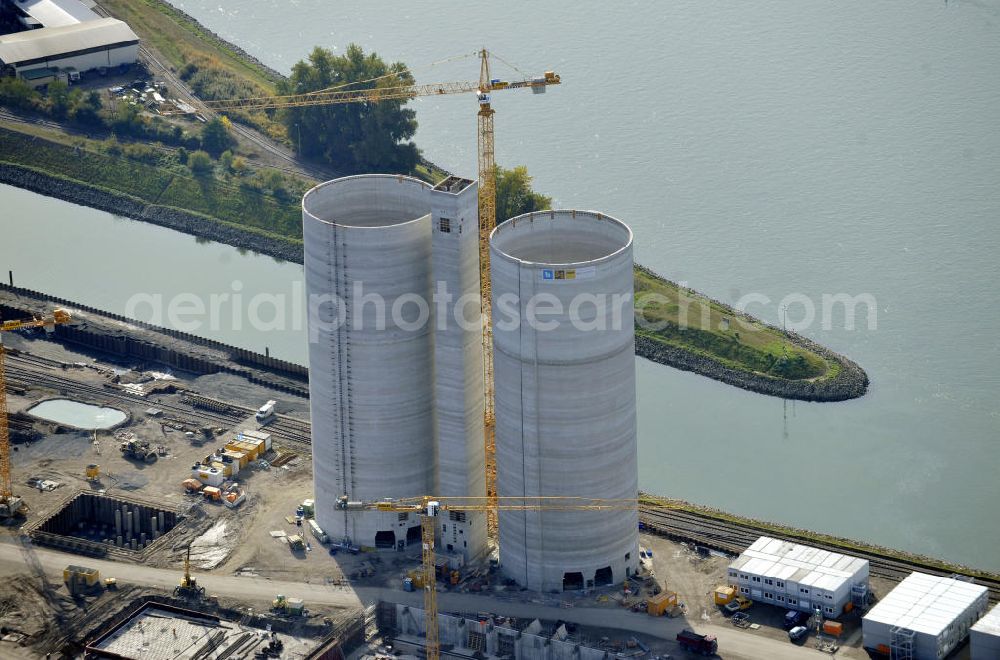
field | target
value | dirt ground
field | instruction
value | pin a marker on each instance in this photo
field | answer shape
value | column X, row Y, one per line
column 239, row 541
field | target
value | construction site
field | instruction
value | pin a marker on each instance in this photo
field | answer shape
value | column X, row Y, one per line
column 426, row 488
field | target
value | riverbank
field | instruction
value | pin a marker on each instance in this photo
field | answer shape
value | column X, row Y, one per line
column 755, row 356
column 838, row 378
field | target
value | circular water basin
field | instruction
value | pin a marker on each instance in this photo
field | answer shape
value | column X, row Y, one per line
column 78, row 415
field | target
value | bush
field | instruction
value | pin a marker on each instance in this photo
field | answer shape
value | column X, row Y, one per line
column 182, row 156
column 226, row 160
column 142, row 153
column 17, row 94
column 215, row 137
column 200, row 163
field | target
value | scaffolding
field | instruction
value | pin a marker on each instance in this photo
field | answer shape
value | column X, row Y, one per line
column 901, row 642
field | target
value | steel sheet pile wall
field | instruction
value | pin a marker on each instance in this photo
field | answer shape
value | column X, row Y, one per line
column 369, row 377
column 565, row 394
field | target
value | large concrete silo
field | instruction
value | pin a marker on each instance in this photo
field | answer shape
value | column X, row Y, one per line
column 368, row 250
column 565, row 395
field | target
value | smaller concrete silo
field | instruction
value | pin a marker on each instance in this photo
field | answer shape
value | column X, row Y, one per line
column 564, row 359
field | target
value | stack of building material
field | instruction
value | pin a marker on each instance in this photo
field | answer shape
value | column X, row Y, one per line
column 925, row 617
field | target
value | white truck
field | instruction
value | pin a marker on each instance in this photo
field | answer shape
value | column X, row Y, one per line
column 266, row 412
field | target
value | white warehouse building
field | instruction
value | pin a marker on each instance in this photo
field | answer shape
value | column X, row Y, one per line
column 924, row 618
column 984, row 637
column 105, row 42
column 799, row 577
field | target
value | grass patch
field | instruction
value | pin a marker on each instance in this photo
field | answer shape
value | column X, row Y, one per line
column 682, row 318
column 179, row 39
column 162, row 182
column 847, row 545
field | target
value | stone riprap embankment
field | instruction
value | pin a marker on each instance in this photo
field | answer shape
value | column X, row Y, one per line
column 165, row 216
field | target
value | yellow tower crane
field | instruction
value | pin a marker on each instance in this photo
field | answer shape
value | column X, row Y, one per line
column 487, row 195
column 11, row 505
column 428, row 508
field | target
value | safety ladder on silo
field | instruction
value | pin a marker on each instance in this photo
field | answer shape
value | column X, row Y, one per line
column 901, row 643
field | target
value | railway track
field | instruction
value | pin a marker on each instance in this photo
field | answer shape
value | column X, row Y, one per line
column 734, row 538
column 702, row 529
column 34, row 371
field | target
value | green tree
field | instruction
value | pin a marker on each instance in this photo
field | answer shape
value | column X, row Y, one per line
column 514, row 194
column 226, row 160
column 200, row 163
column 59, row 99
column 215, row 137
column 86, row 109
column 354, row 137
column 16, row 93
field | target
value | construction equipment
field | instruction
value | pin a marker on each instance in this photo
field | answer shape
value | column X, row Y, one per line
column 93, row 472
column 11, row 505
column 81, row 579
column 188, row 588
column 739, row 604
column 139, row 450
column 111, row 583
column 428, row 508
column 483, row 89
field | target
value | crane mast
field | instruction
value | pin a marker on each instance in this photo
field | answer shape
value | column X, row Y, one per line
column 487, row 201
column 487, row 221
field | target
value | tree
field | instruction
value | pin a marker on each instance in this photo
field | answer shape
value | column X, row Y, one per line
column 354, row 137
column 59, row 99
column 514, row 194
column 16, row 93
column 215, row 137
column 200, row 163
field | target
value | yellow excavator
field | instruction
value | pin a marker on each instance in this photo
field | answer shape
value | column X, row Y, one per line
column 188, row 588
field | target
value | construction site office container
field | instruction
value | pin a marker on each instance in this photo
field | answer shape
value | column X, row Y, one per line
column 258, row 435
column 208, row 475
column 984, row 637
column 925, row 617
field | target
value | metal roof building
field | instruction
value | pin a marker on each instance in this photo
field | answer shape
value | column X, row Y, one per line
column 799, row 577
column 984, row 637
column 103, row 42
column 924, row 618
column 51, row 13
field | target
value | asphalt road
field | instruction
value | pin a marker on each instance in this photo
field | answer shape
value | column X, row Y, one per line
column 734, row 644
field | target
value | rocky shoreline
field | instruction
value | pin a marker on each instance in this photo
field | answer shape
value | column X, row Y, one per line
column 183, row 221
column 850, row 383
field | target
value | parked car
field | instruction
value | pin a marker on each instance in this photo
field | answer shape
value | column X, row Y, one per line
column 797, row 633
column 795, row 618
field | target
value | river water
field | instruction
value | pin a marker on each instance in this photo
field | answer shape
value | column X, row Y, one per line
column 785, row 149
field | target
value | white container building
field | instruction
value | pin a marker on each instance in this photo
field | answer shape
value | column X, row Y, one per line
column 984, row 637
column 924, row 618
column 798, row 577
column 564, row 356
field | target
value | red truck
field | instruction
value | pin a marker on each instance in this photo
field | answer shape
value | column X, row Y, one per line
column 695, row 643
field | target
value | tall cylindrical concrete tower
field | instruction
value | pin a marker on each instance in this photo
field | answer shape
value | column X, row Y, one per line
column 368, row 275
column 565, row 395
